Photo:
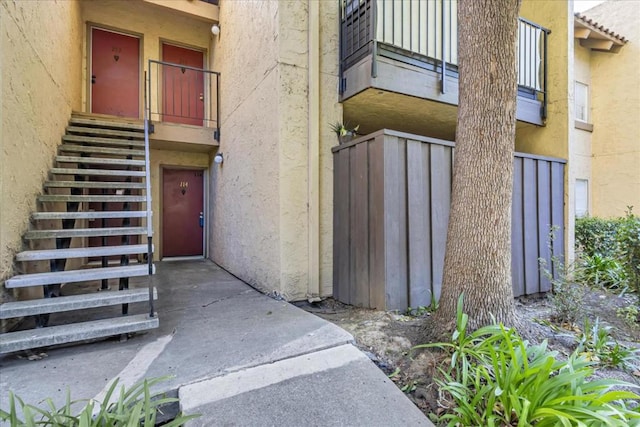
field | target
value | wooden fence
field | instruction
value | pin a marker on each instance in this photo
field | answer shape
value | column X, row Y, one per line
column 391, row 209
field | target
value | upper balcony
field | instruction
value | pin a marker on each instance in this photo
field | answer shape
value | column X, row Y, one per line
column 398, row 64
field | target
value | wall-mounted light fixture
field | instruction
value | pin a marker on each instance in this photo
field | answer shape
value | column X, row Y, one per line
column 219, row 158
column 215, row 29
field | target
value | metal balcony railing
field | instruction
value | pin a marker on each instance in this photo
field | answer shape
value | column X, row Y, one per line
column 425, row 33
column 184, row 95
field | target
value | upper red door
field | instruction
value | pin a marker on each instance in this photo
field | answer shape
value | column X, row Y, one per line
column 115, row 74
column 182, row 212
column 183, row 88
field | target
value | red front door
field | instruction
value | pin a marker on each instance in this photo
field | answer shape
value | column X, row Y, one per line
column 115, row 74
column 182, row 207
column 182, row 88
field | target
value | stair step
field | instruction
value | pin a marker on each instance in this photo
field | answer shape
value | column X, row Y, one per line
column 94, row 184
column 74, row 302
column 58, row 277
column 95, row 140
column 99, row 161
column 96, row 172
column 90, row 198
column 36, row 216
column 104, row 132
column 84, row 232
column 102, row 123
column 46, row 254
column 53, row 335
column 100, row 150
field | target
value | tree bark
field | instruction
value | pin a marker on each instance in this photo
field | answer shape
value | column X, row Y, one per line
column 478, row 252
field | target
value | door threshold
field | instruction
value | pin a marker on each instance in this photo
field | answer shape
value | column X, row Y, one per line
column 182, row 258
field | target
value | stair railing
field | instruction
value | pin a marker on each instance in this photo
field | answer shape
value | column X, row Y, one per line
column 147, row 178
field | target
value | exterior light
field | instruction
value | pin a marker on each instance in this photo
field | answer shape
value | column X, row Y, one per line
column 215, row 29
column 218, row 158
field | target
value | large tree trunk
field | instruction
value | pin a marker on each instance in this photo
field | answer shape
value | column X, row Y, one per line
column 478, row 253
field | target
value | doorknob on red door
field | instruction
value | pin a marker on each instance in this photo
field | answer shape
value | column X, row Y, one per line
column 201, row 219
column 201, row 97
column 93, row 79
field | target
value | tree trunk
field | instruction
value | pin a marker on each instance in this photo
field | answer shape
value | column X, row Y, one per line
column 478, row 253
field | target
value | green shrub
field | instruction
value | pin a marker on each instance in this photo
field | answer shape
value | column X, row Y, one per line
column 628, row 238
column 597, row 236
column 601, row 271
column 137, row 406
column 496, row 378
column 596, row 344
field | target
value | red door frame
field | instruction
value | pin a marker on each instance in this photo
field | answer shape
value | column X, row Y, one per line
column 163, row 168
column 172, row 108
column 90, row 44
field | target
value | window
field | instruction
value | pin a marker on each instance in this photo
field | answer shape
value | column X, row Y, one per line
column 582, row 102
column 582, row 198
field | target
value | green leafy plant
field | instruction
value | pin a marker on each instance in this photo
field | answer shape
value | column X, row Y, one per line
column 601, row 271
column 137, row 406
column 496, row 378
column 628, row 238
column 629, row 314
column 597, row 236
column 596, row 344
column 343, row 130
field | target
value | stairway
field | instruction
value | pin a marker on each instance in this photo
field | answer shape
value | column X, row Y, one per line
column 86, row 240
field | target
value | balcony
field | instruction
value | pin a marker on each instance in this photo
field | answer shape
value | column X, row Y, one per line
column 398, row 64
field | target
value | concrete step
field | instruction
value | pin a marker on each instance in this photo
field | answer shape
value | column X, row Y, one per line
column 58, row 277
column 99, row 161
column 36, row 216
column 96, row 172
column 53, row 335
column 102, row 141
column 100, row 150
column 100, row 132
column 94, row 184
column 84, row 232
column 78, row 120
column 74, row 302
column 90, row 198
column 46, row 254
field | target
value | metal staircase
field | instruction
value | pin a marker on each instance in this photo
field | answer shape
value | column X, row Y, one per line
column 85, row 237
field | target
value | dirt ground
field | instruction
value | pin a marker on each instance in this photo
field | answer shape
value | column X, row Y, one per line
column 388, row 337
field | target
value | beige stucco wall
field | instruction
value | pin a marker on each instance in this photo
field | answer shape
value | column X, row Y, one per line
column 155, row 24
column 167, row 158
column 40, row 84
column 553, row 139
column 615, row 102
column 580, row 159
column 260, row 194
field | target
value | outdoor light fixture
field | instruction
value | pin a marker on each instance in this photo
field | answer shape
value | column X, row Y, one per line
column 215, row 29
column 218, row 158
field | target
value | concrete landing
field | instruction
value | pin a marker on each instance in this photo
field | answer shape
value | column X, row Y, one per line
column 237, row 356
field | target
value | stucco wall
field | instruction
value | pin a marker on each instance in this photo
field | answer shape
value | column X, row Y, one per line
column 615, row 102
column 580, row 160
column 40, row 57
column 261, row 193
column 155, row 24
column 553, row 139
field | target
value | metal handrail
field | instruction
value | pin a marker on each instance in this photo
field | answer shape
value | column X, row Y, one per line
column 206, row 120
column 147, row 178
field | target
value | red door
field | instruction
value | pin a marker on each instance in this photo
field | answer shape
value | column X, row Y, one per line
column 183, row 88
column 115, row 74
column 182, row 208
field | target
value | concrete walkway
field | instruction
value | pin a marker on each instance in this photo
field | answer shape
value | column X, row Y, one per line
column 236, row 356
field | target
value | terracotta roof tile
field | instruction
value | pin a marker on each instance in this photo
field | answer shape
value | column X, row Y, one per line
column 590, row 23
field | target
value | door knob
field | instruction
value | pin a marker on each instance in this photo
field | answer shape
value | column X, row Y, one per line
column 201, row 97
column 201, row 219
column 93, row 80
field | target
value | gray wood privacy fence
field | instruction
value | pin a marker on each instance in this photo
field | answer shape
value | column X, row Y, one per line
column 391, row 210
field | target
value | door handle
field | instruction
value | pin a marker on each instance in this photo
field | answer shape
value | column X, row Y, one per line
column 201, row 97
column 201, row 219
column 93, row 79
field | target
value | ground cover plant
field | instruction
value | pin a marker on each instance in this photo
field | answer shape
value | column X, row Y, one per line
column 135, row 406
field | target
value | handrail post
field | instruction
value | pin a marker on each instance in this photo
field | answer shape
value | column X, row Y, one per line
column 443, row 47
column 147, row 178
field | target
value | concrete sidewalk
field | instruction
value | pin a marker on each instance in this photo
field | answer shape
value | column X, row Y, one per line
column 236, row 356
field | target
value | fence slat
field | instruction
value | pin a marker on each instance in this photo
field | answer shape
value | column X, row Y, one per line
column 342, row 255
column 544, row 219
column 531, row 277
column 517, row 227
column 440, row 200
column 360, row 176
column 418, row 225
column 376, row 224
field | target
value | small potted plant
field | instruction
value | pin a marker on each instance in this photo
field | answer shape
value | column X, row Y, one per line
column 344, row 132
